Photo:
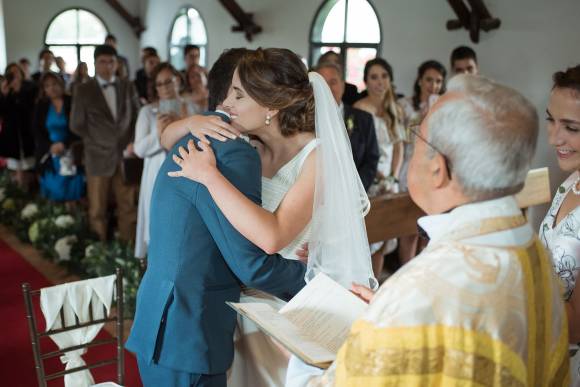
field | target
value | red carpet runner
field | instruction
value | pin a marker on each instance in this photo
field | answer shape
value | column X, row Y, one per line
column 16, row 360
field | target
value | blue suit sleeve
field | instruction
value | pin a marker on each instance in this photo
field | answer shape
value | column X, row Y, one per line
column 270, row 273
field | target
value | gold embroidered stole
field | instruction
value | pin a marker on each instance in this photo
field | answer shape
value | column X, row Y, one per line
column 442, row 355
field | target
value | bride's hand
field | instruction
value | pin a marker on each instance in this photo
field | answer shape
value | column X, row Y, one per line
column 196, row 165
column 211, row 126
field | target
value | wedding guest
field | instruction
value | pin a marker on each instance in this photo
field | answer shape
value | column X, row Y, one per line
column 60, row 179
column 145, row 51
column 143, row 80
column 151, row 122
column 351, row 94
column 192, row 57
column 103, row 114
column 25, row 66
column 123, row 70
column 16, row 139
column 389, row 123
column 381, row 103
column 560, row 229
column 429, row 84
column 464, row 61
column 61, row 64
column 480, row 305
column 196, row 87
column 359, row 125
column 80, row 76
column 46, row 60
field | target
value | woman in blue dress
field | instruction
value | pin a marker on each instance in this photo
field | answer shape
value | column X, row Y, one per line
column 60, row 179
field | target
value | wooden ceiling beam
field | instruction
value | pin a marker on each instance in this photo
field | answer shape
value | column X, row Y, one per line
column 245, row 20
column 472, row 15
column 133, row 21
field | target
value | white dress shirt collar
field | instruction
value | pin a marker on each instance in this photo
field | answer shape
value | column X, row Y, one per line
column 102, row 82
column 439, row 225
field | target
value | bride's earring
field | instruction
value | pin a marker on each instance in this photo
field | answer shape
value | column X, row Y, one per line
column 268, row 119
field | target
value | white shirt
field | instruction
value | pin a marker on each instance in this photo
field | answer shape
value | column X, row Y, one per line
column 110, row 94
column 436, row 226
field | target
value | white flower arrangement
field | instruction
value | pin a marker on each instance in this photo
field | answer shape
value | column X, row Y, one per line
column 90, row 250
column 2, row 194
column 63, row 247
column 29, row 211
column 63, row 221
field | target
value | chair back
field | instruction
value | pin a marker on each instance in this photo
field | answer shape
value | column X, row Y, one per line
column 65, row 325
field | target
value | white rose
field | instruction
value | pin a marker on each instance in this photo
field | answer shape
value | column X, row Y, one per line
column 64, row 221
column 2, row 194
column 90, row 250
column 29, row 211
column 63, row 247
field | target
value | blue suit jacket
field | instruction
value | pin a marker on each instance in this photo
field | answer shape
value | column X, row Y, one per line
column 196, row 263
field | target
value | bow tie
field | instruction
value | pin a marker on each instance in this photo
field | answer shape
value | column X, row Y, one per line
column 107, row 84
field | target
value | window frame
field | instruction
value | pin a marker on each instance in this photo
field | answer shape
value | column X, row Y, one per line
column 344, row 45
column 76, row 45
column 170, row 45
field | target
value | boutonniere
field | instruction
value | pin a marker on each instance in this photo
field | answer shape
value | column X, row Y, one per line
column 349, row 124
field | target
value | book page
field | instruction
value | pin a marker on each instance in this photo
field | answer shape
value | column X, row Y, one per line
column 289, row 335
column 324, row 311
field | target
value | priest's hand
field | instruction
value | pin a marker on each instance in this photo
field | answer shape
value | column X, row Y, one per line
column 362, row 292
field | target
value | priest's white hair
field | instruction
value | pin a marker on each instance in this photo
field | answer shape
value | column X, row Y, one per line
column 489, row 135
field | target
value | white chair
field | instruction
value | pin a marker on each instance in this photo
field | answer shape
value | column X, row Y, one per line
column 74, row 313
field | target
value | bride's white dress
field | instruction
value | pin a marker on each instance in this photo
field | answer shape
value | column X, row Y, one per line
column 258, row 361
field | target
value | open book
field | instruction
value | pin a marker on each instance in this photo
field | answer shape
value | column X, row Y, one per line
column 314, row 324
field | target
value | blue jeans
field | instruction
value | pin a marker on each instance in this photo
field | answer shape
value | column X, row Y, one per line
column 154, row 375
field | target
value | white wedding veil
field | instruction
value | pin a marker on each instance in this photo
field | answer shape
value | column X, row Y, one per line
column 338, row 245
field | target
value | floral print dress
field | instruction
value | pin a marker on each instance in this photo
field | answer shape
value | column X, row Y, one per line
column 563, row 240
column 563, row 243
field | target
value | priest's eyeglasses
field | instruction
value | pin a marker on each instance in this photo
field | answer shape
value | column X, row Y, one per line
column 414, row 132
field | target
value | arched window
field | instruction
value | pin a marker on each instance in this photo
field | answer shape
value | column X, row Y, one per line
column 350, row 28
column 74, row 34
column 188, row 28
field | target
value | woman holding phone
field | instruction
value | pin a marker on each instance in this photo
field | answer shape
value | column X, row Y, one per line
column 151, row 122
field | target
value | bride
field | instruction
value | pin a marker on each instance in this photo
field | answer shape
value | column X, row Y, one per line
column 311, row 191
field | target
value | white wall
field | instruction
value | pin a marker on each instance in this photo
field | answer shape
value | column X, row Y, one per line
column 26, row 22
column 536, row 38
column 2, row 38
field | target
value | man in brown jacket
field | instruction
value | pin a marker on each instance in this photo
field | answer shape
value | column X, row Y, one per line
column 103, row 114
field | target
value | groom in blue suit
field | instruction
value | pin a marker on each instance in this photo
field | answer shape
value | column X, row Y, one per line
column 183, row 330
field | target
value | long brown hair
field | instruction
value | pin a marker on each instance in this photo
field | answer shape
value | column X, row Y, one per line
column 277, row 79
column 392, row 113
column 45, row 77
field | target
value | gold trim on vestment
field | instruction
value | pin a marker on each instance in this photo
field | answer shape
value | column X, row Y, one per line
column 456, row 355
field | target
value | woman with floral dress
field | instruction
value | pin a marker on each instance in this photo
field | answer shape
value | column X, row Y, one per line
column 560, row 230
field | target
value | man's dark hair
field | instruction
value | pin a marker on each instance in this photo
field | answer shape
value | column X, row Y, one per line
column 149, row 50
column 326, row 57
column 220, row 76
column 104, row 49
column 189, row 47
column 111, row 37
column 45, row 51
column 462, row 52
column 24, row 60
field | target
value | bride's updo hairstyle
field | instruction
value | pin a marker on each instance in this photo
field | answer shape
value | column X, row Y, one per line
column 277, row 79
